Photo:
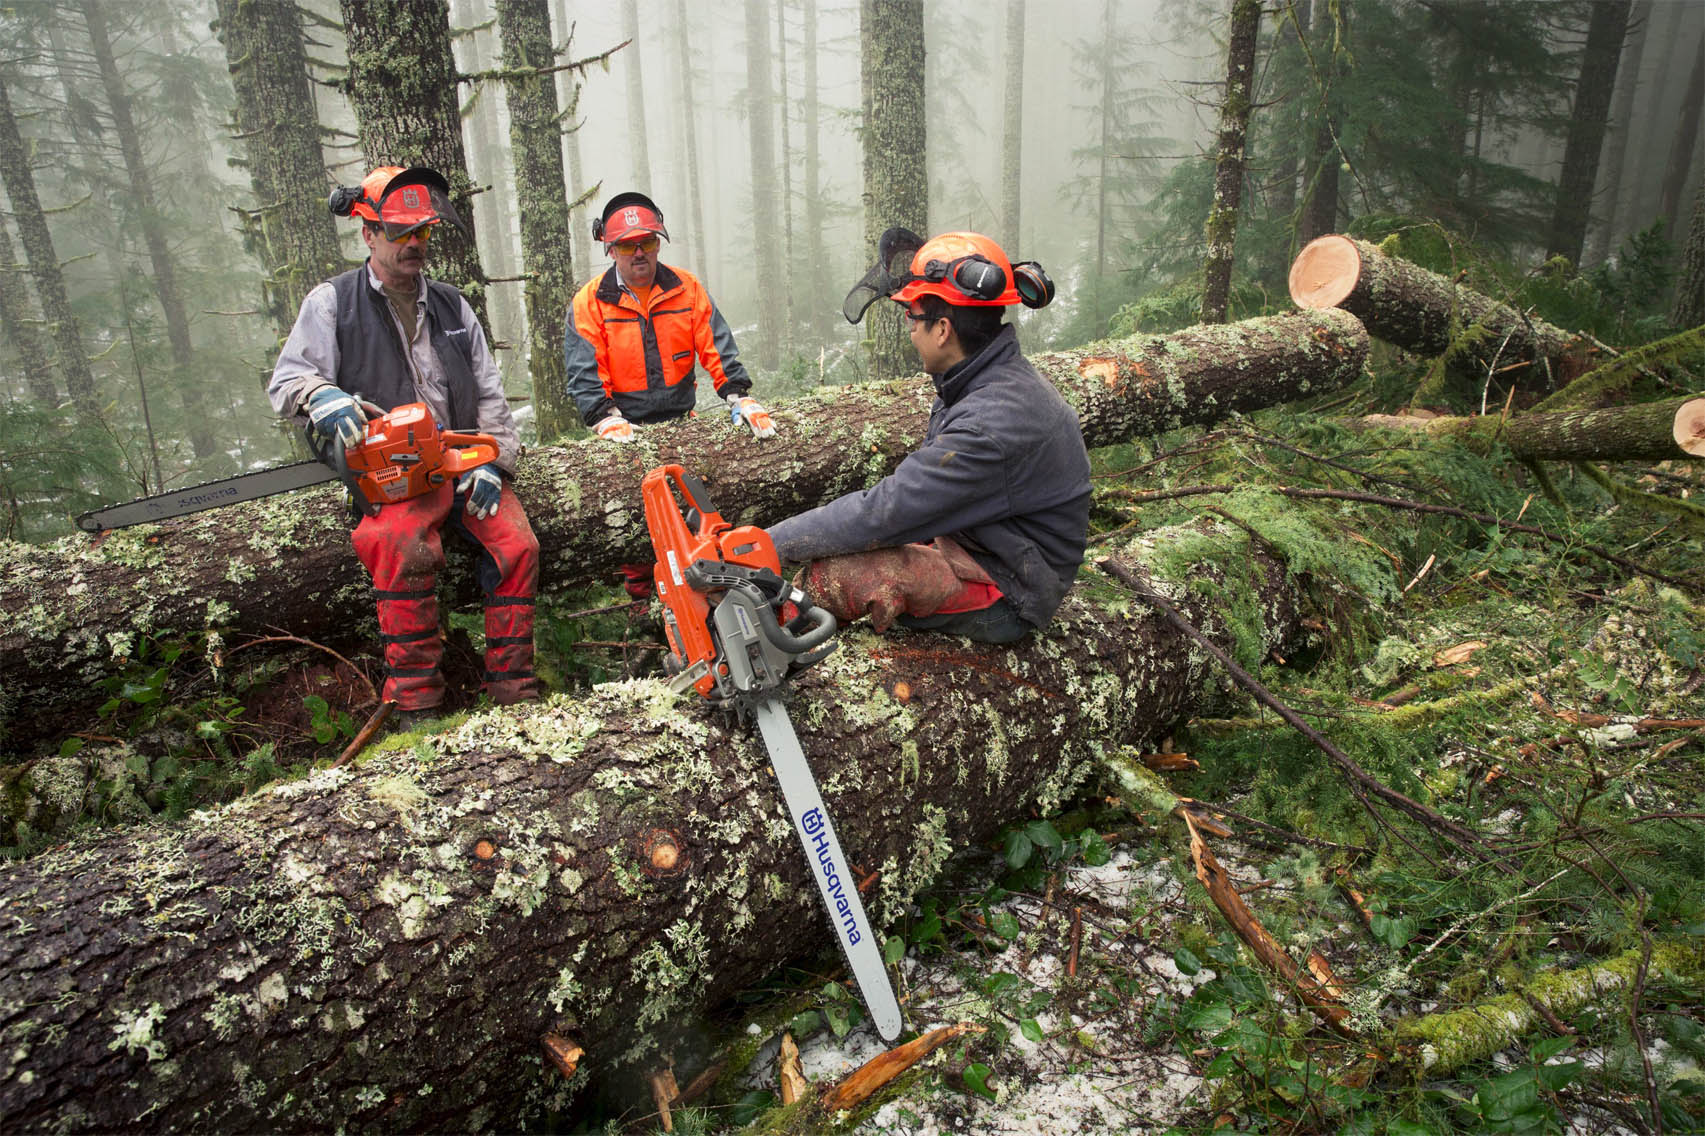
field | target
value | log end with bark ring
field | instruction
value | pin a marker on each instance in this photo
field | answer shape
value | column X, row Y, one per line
column 1689, row 427
column 1325, row 272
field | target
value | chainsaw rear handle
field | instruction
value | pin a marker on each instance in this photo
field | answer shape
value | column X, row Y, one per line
column 710, row 575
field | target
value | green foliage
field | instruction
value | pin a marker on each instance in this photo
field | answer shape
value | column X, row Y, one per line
column 55, row 463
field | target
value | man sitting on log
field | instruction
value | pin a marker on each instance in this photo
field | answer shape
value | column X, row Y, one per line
column 981, row 530
column 384, row 335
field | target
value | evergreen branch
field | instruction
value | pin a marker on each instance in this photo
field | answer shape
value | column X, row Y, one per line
column 1613, row 376
column 507, row 73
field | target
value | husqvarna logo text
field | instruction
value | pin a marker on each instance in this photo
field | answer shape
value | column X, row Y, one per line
column 815, row 828
column 411, row 197
column 631, row 216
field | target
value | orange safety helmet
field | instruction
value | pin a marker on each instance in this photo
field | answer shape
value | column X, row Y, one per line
column 965, row 269
column 628, row 216
column 398, row 200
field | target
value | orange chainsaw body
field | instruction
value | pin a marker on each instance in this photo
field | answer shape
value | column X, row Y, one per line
column 677, row 546
column 405, row 454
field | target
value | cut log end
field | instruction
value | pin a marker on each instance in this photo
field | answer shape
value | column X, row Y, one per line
column 1325, row 272
column 1690, row 427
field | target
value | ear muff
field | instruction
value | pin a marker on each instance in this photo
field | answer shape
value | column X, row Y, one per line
column 977, row 277
column 343, row 199
column 1035, row 288
column 597, row 228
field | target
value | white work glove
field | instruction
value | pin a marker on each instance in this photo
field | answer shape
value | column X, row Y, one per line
column 337, row 416
column 615, row 428
column 742, row 406
column 484, row 490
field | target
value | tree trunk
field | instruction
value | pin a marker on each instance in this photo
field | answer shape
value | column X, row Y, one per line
column 383, row 947
column 72, row 612
column 19, row 323
column 545, row 236
column 1673, row 429
column 1426, row 313
column 786, row 165
column 1601, row 239
column 568, row 97
column 1228, row 166
column 635, row 137
column 1686, row 142
column 204, row 441
column 1689, row 310
column 760, row 114
column 1012, row 129
column 290, row 230
column 44, row 262
column 896, row 181
column 1320, row 208
column 822, row 305
column 1605, row 31
column 478, row 51
column 1288, row 142
column 403, row 85
column 700, row 238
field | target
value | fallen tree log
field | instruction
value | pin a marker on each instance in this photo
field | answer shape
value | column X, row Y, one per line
column 384, row 946
column 1648, row 431
column 1421, row 311
column 74, row 612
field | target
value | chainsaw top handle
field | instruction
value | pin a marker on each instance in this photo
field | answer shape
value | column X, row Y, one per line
column 771, row 589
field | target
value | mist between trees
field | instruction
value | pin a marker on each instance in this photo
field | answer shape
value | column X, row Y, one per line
column 165, row 165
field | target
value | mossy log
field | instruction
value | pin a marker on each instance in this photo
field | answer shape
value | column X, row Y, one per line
column 383, row 946
column 73, row 612
column 1423, row 312
column 1649, row 431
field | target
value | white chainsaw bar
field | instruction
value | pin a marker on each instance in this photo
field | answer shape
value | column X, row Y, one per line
column 835, row 882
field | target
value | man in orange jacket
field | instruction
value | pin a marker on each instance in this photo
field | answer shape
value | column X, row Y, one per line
column 633, row 334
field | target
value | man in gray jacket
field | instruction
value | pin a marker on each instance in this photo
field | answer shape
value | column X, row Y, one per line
column 981, row 530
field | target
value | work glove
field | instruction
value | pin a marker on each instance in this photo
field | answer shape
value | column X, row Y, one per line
column 484, row 489
column 337, row 416
column 615, row 428
column 746, row 407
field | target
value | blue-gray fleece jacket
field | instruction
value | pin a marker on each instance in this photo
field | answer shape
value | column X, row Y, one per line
column 1002, row 471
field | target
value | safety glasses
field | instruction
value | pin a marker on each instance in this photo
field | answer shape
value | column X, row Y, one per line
column 422, row 234
column 628, row 248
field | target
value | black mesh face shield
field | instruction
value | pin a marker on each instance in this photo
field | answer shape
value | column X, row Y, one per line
column 891, row 272
column 407, row 207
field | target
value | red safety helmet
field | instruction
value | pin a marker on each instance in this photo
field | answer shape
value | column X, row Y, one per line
column 398, row 200
column 964, row 269
column 628, row 216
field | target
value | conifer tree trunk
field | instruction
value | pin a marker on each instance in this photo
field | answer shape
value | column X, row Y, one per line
column 1685, row 144
column 403, row 85
column 489, row 166
column 545, row 236
column 291, row 230
column 1229, row 164
column 1689, row 310
column 568, row 98
column 1012, row 129
column 786, row 163
column 635, row 140
column 822, row 306
column 1605, row 31
column 1655, row 119
column 1601, row 238
column 203, row 441
column 1288, row 143
column 19, row 324
column 1104, row 158
column 37, row 240
column 760, row 111
column 896, row 182
column 1320, row 210
column 699, row 237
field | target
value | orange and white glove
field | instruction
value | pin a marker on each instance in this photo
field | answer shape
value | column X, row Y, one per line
column 746, row 408
column 615, row 428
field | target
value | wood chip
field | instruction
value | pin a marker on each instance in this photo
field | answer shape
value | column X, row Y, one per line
column 790, row 1072
column 1460, row 653
column 858, row 1085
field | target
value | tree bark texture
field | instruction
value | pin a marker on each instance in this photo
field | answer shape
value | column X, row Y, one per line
column 72, row 612
column 1689, row 310
column 760, row 124
column 1686, row 142
column 896, row 179
column 291, row 231
column 403, row 85
column 1601, row 238
column 635, row 78
column 19, row 323
column 1606, row 28
column 820, row 304
column 783, row 102
column 1643, row 432
column 44, row 262
column 204, row 441
column 1221, row 231
column 1421, row 311
column 1012, row 129
column 568, row 97
column 699, row 239
column 382, row 947
column 1320, row 205
column 539, row 189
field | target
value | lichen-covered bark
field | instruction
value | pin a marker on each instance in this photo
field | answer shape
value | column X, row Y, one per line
column 383, row 946
column 1221, row 228
column 1421, row 311
column 1642, row 432
column 896, row 182
column 72, row 612
column 19, row 324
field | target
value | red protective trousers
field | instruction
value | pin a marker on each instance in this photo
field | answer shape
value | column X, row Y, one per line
column 402, row 550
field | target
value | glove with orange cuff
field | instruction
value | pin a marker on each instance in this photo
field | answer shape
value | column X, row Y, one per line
column 746, row 408
column 615, row 428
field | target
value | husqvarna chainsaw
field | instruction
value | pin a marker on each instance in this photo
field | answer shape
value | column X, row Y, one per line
column 403, row 455
column 724, row 601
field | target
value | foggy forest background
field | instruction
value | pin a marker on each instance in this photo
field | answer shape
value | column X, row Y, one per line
column 154, row 247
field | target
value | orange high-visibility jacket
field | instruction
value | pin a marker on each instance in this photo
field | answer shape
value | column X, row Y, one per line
column 641, row 362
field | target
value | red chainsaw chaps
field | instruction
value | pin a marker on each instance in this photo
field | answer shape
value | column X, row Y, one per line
column 402, row 548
